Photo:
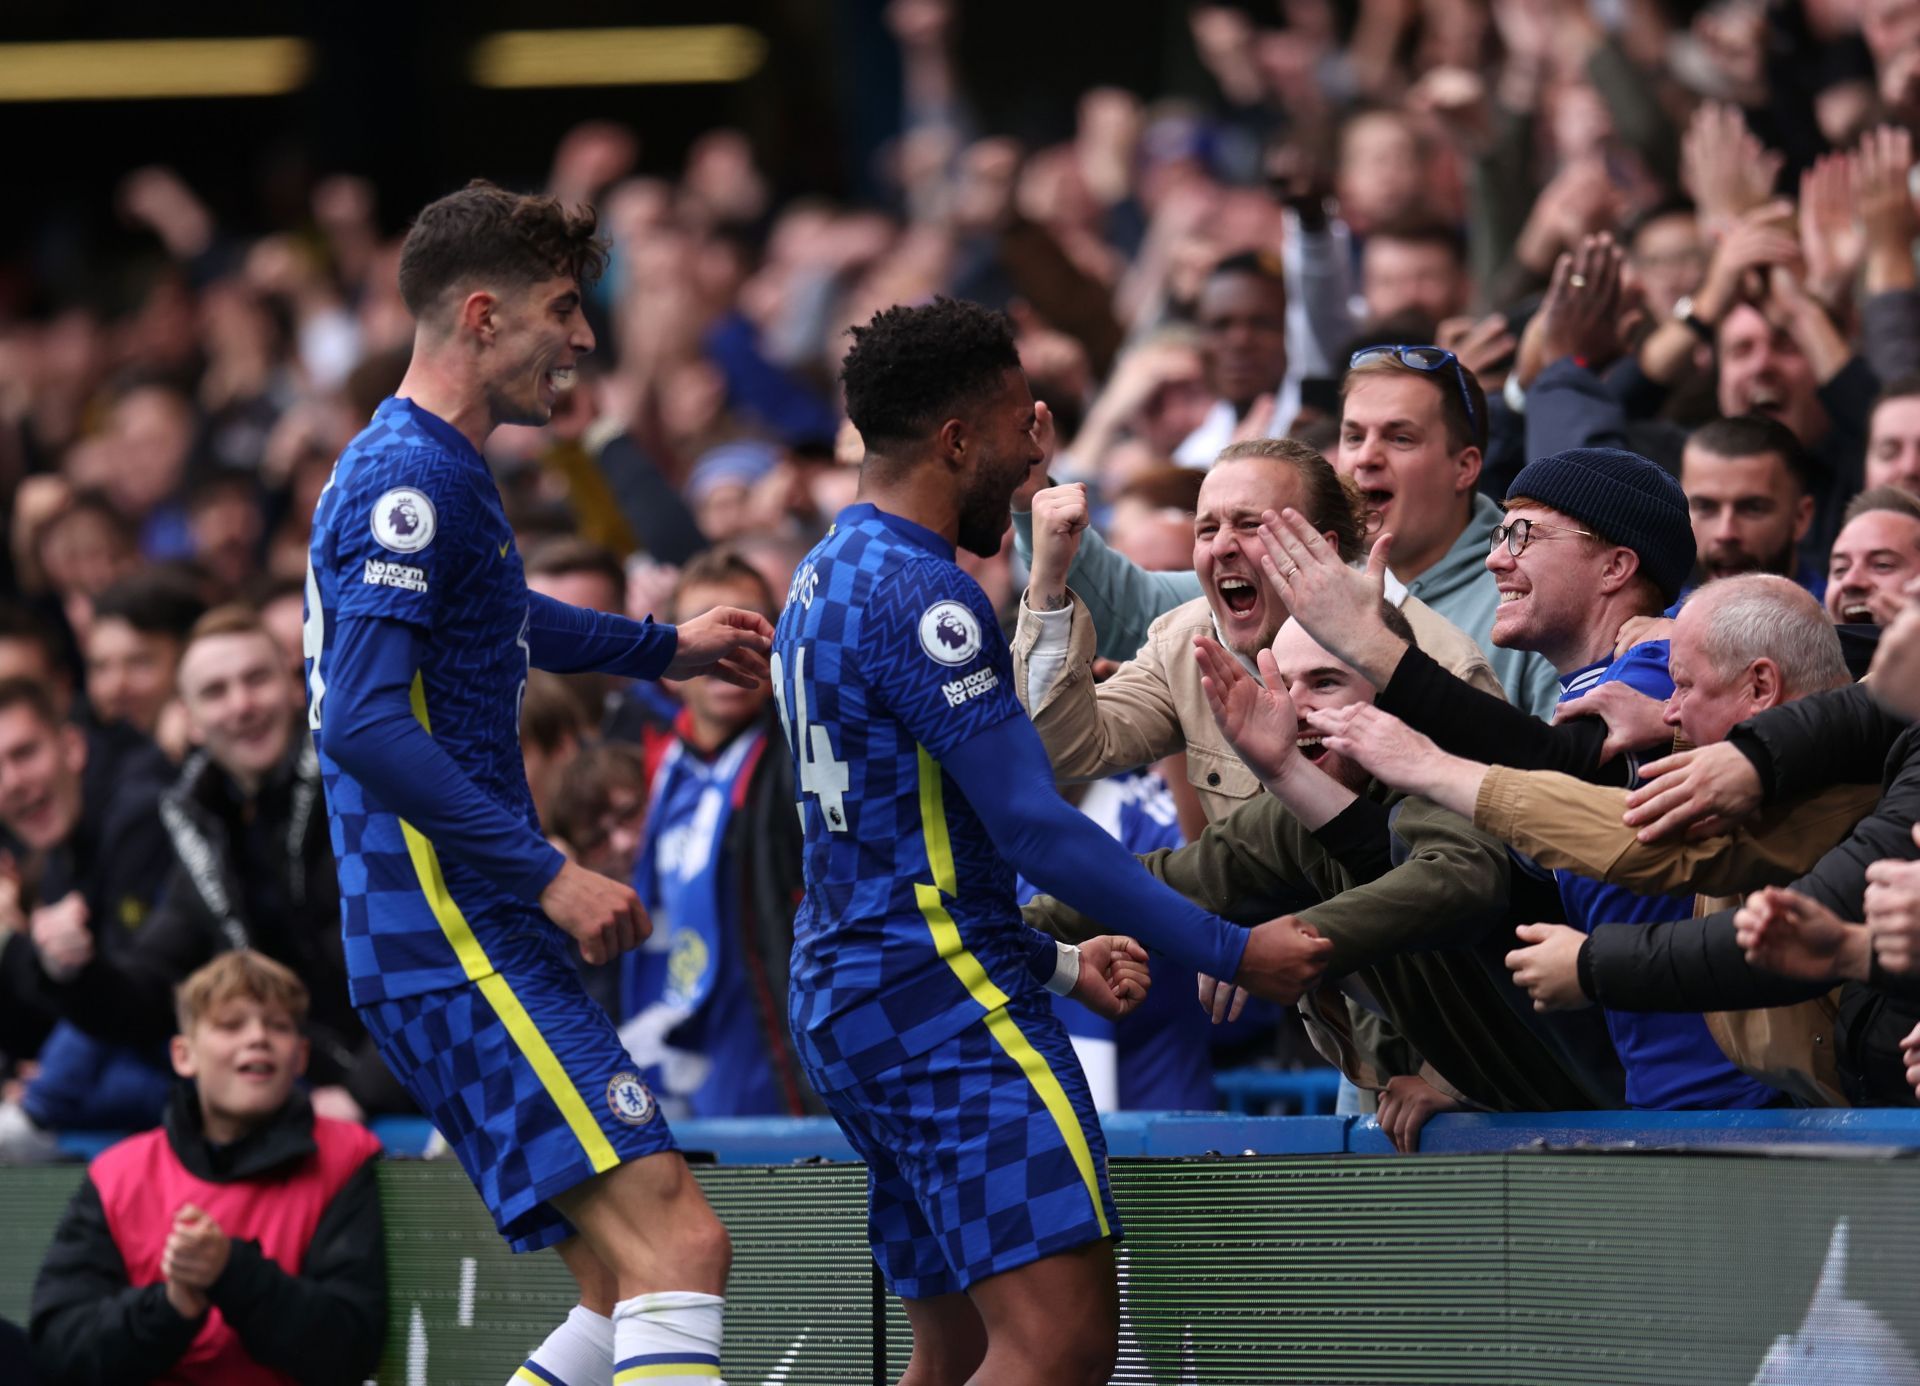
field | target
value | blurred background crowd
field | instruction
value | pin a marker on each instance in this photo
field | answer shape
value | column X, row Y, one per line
column 1664, row 213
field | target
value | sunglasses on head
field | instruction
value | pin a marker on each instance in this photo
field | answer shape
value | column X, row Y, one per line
column 1424, row 358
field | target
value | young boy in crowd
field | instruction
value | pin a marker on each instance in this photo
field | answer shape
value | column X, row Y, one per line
column 240, row 1241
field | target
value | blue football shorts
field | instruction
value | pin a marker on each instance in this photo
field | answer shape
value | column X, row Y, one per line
column 527, row 1080
column 983, row 1154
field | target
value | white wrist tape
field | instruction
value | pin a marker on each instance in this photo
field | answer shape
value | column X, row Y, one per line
column 1066, row 970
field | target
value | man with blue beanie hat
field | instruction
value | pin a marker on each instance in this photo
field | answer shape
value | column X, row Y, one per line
column 1592, row 538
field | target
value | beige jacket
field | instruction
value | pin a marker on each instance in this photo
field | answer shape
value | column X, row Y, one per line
column 1570, row 825
column 1154, row 705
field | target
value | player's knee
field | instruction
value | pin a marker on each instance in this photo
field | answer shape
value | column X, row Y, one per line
column 706, row 1247
column 1089, row 1361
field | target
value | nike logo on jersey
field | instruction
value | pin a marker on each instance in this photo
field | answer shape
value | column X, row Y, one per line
column 504, row 547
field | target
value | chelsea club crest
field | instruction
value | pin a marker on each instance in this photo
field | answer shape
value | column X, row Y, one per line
column 630, row 1100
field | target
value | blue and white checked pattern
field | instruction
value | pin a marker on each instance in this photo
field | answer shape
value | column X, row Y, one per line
column 968, row 1173
column 473, row 613
column 869, row 987
column 478, row 1086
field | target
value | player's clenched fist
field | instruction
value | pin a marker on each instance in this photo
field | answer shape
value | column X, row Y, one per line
column 603, row 916
column 726, row 642
column 1060, row 517
column 1113, row 976
column 1284, row 957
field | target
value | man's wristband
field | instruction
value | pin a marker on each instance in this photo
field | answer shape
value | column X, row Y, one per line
column 1066, row 970
column 1684, row 315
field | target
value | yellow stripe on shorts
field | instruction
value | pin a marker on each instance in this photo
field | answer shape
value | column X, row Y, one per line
column 973, row 976
column 482, row 973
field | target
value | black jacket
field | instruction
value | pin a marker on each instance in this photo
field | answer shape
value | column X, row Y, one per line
column 324, row 1326
column 117, row 858
column 244, row 873
column 1841, row 737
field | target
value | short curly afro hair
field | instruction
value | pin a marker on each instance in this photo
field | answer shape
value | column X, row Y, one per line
column 910, row 366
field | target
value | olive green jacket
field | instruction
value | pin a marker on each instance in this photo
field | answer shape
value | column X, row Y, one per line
column 1424, row 942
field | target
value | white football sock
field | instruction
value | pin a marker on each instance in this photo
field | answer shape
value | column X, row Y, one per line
column 667, row 1339
column 577, row 1353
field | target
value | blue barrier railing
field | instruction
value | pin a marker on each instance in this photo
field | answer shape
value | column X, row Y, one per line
column 1171, row 1135
column 1278, row 1092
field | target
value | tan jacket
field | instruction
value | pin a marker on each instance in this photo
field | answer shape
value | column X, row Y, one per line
column 1154, row 705
column 1570, row 825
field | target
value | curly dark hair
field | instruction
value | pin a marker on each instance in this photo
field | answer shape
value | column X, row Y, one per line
column 486, row 234
column 911, row 365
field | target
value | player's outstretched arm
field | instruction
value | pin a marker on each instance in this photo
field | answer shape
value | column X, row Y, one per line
column 726, row 642
column 368, row 727
column 1004, row 773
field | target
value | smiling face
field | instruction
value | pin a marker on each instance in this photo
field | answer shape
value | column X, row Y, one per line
column 1317, row 682
column 238, row 702
column 1873, row 560
column 1763, row 372
column 1394, row 447
column 1001, row 451
column 244, row 1055
column 130, row 672
column 1893, row 445
column 40, row 777
column 539, row 336
column 1548, row 594
column 1227, row 549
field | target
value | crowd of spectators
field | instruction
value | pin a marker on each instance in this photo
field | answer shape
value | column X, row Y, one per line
column 1607, row 314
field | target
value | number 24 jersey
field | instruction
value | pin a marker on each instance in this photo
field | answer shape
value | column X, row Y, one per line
column 887, row 658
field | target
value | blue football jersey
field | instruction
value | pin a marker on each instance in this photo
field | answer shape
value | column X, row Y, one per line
column 888, row 657
column 1671, row 1058
column 410, row 527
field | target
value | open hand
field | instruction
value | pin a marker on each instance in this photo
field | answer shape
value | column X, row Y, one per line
column 1634, row 722
column 1639, row 630
column 1796, row 936
column 1381, row 744
column 1223, row 1001
column 1698, row 792
column 1580, row 315
column 1724, row 167
column 1337, row 605
column 1258, row 722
